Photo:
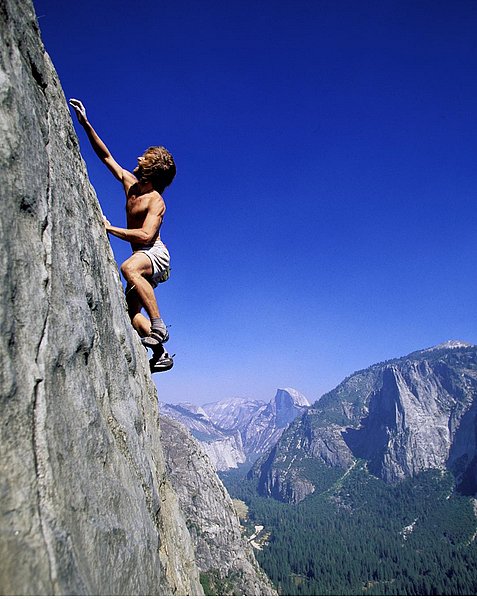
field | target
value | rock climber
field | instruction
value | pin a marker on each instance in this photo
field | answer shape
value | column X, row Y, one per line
column 150, row 260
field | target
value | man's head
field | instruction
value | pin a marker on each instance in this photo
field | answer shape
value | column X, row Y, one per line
column 157, row 166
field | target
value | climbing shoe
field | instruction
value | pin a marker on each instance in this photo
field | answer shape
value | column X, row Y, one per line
column 161, row 363
column 155, row 338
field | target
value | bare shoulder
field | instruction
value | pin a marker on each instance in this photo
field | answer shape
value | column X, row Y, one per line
column 128, row 180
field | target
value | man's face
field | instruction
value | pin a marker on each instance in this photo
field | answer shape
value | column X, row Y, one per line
column 138, row 170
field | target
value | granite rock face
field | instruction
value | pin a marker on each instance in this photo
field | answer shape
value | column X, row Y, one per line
column 267, row 425
column 86, row 506
column 402, row 417
column 236, row 430
column 227, row 452
column 232, row 413
column 260, row 424
column 282, row 473
column 225, row 559
column 224, row 447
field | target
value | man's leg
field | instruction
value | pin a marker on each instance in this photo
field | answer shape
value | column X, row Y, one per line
column 138, row 320
column 161, row 361
column 135, row 270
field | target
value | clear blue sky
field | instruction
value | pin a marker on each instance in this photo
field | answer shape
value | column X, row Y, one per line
column 324, row 214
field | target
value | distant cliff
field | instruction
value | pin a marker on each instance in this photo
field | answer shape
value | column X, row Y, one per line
column 87, row 506
column 236, row 430
column 402, row 417
column 266, row 426
column 224, row 447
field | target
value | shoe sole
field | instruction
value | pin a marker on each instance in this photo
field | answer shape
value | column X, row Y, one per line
column 162, row 368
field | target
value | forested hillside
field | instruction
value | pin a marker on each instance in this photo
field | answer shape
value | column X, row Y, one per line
column 365, row 537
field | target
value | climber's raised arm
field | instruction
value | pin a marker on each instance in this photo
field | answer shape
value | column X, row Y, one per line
column 98, row 144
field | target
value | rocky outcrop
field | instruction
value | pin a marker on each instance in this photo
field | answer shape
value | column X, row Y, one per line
column 86, row 506
column 402, row 417
column 226, row 453
column 305, row 447
column 226, row 561
column 223, row 447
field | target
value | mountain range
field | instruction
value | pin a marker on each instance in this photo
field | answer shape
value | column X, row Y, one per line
column 372, row 489
column 236, row 430
column 402, row 417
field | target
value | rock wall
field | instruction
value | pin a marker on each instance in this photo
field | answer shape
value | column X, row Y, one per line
column 264, row 430
column 226, row 453
column 225, row 559
column 86, row 507
column 224, row 448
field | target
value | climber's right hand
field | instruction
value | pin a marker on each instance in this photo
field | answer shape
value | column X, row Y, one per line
column 80, row 111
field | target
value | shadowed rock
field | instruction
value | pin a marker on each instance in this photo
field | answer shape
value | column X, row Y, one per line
column 223, row 555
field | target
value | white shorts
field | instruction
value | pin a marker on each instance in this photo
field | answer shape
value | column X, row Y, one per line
column 160, row 259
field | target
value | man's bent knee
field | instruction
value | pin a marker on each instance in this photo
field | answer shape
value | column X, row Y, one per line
column 126, row 271
column 136, row 267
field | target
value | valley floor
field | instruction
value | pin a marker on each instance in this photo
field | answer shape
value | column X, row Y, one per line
column 363, row 537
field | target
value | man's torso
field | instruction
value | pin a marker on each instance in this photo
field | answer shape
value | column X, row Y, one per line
column 138, row 205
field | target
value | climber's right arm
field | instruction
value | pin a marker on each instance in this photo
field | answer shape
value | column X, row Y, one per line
column 97, row 143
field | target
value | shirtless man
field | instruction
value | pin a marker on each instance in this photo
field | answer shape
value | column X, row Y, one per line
column 149, row 263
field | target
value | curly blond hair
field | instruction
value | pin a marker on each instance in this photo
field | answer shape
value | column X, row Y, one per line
column 158, row 167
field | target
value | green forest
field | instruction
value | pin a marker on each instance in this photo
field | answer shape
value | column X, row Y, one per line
column 365, row 537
